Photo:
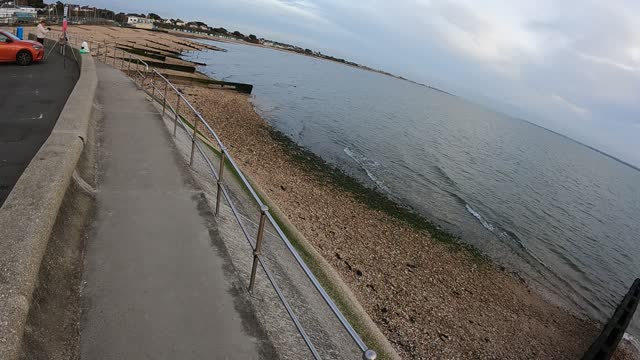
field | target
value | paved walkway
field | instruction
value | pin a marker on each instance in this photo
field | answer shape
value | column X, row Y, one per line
column 158, row 284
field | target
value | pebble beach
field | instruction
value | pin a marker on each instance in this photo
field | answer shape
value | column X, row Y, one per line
column 431, row 299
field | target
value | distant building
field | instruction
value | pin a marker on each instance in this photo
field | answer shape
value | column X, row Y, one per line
column 179, row 23
column 198, row 25
column 140, row 22
column 10, row 14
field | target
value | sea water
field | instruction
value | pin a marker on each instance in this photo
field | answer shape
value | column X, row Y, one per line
column 560, row 213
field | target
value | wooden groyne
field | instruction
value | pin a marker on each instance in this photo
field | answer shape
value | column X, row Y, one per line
column 161, row 50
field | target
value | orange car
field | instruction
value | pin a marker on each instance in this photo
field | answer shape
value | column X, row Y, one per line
column 22, row 52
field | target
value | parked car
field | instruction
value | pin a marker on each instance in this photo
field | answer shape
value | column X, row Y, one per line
column 22, row 52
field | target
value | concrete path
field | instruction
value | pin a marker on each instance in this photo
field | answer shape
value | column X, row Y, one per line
column 31, row 99
column 158, row 282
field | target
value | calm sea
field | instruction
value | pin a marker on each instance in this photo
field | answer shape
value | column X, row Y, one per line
column 561, row 214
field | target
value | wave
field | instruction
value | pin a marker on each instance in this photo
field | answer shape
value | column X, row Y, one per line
column 543, row 270
column 477, row 215
column 505, row 235
column 368, row 166
column 443, row 175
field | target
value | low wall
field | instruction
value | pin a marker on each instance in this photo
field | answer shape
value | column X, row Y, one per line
column 29, row 213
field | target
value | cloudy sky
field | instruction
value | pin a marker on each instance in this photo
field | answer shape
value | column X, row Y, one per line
column 572, row 66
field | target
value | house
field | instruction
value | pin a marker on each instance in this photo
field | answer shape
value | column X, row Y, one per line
column 179, row 23
column 87, row 11
column 198, row 25
column 140, row 22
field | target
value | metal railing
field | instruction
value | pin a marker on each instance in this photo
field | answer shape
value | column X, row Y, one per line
column 141, row 73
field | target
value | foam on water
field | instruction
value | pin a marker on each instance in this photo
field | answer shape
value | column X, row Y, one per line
column 477, row 215
column 367, row 165
column 503, row 234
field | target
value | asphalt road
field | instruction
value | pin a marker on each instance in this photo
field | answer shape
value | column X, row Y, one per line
column 31, row 99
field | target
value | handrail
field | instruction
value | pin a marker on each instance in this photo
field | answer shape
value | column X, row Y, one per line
column 367, row 354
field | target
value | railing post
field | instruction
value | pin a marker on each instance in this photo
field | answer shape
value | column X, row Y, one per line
column 129, row 66
column 144, row 75
column 137, row 69
column 193, row 140
column 106, row 48
column 175, row 121
column 258, row 250
column 223, row 154
column 153, row 85
column 164, row 98
column 115, row 50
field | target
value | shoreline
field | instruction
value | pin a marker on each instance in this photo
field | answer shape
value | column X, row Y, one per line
column 356, row 66
column 458, row 297
column 382, row 72
column 429, row 294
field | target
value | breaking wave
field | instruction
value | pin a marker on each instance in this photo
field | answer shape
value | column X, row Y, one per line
column 368, row 166
column 504, row 234
column 477, row 215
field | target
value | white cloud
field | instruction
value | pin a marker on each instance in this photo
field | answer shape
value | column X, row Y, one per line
column 482, row 34
column 610, row 62
column 301, row 8
column 569, row 61
column 570, row 105
column 300, row 14
column 634, row 52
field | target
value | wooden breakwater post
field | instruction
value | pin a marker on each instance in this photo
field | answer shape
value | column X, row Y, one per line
column 607, row 342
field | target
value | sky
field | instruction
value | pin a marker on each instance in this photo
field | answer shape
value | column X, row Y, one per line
column 572, row 66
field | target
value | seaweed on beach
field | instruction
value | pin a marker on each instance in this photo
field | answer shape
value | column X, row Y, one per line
column 374, row 198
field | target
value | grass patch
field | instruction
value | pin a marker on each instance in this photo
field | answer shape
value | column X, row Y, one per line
column 373, row 198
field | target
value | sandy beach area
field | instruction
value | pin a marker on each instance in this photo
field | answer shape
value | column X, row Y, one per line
column 431, row 299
